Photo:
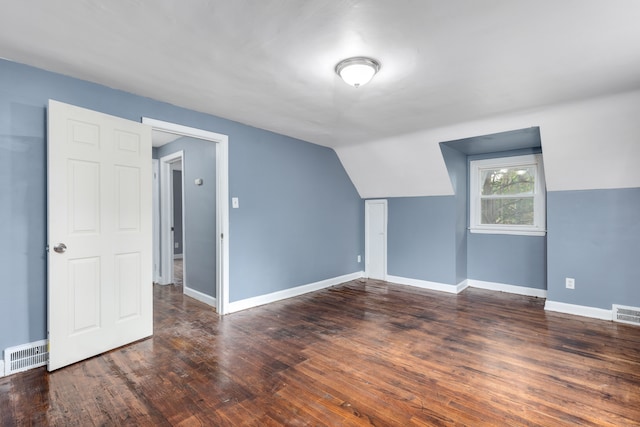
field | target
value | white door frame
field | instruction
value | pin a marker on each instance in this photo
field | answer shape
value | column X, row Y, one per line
column 367, row 257
column 222, row 202
column 166, row 218
column 156, row 219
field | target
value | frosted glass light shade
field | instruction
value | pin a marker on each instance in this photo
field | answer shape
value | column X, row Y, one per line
column 357, row 71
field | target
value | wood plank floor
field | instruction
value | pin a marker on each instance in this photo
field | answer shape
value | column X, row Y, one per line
column 363, row 353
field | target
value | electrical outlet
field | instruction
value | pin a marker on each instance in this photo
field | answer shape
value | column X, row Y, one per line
column 359, row 259
column 176, row 245
column 570, row 283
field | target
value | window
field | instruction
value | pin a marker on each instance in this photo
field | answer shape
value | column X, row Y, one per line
column 507, row 196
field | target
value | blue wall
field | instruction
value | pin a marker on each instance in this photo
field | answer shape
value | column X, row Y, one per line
column 428, row 237
column 421, row 238
column 594, row 237
column 457, row 167
column 508, row 259
column 300, row 218
column 177, row 212
column 299, row 210
column 200, row 211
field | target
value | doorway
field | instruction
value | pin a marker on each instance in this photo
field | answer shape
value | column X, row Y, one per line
column 178, row 206
column 376, row 239
column 208, row 245
column 171, row 231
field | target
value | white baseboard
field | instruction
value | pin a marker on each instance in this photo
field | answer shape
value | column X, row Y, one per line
column 462, row 285
column 292, row 292
column 456, row 289
column 512, row 289
column 207, row 299
column 177, row 256
column 1, row 368
column 425, row 284
column 162, row 281
column 579, row 310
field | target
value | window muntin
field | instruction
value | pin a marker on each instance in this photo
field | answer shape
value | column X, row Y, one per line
column 507, row 195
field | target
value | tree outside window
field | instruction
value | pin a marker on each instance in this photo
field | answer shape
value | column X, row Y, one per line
column 507, row 194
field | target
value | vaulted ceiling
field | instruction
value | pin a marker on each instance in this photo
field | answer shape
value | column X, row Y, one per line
column 270, row 63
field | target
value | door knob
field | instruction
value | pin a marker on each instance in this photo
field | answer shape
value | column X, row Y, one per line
column 60, row 248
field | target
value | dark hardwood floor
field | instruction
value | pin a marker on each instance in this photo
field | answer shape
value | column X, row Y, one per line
column 363, row 353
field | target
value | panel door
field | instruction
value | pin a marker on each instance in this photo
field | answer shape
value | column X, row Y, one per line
column 376, row 239
column 99, row 233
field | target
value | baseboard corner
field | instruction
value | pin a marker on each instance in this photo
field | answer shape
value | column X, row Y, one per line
column 200, row 296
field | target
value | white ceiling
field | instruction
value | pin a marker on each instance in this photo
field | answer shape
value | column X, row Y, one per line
column 270, row 63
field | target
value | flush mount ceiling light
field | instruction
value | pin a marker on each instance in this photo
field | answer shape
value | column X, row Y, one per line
column 357, row 71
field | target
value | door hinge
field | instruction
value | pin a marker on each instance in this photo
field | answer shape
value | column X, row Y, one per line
column 222, row 235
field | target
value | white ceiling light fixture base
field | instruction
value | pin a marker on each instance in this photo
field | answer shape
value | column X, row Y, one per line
column 357, row 71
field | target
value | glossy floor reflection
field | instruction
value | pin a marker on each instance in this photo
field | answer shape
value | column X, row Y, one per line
column 363, row 353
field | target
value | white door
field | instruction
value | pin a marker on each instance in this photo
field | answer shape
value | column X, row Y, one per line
column 99, row 226
column 376, row 239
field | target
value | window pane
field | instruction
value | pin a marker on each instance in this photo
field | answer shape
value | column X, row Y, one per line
column 508, row 181
column 511, row 211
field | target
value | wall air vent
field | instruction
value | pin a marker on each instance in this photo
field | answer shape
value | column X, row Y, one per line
column 624, row 314
column 24, row 357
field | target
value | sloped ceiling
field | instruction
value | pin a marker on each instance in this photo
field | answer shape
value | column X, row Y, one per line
column 270, row 63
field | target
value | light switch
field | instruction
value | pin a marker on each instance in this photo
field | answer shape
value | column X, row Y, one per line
column 235, row 203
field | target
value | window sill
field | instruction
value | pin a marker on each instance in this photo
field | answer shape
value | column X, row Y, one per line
column 508, row 231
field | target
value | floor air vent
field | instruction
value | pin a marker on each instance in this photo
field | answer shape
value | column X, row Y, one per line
column 630, row 315
column 24, row 357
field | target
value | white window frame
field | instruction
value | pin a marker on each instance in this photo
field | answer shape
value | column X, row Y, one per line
column 539, row 211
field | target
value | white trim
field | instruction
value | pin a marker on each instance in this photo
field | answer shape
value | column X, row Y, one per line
column 579, row 310
column 512, row 289
column 155, row 197
column 202, row 297
column 515, row 232
column 183, row 130
column 468, row 283
column 539, row 221
column 291, row 292
column 222, row 203
column 166, row 216
column 222, row 225
column 367, row 258
column 425, row 284
column 1, row 368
